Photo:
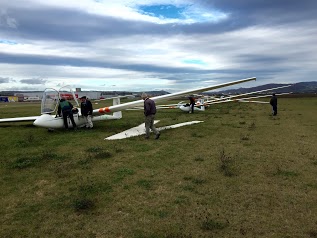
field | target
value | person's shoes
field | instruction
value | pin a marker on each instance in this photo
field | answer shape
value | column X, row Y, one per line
column 157, row 136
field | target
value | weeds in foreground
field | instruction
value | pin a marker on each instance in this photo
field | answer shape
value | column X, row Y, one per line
column 313, row 234
column 94, row 149
column 252, row 126
column 121, row 173
column 86, row 194
column 285, row 173
column 199, row 158
column 31, row 161
column 244, row 137
column 83, row 204
column 196, row 181
column 146, row 184
column 208, row 222
column 211, row 225
column 98, row 153
column 29, row 140
column 227, row 165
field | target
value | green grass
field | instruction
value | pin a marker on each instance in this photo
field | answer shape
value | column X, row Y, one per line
column 241, row 173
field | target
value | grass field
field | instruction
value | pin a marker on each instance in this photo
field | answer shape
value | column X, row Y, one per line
column 241, row 173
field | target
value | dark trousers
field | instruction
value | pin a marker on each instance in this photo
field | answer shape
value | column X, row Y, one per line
column 191, row 107
column 274, row 110
column 71, row 117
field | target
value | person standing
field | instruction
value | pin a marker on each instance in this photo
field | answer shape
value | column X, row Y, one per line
column 86, row 111
column 149, row 113
column 191, row 104
column 65, row 109
column 273, row 103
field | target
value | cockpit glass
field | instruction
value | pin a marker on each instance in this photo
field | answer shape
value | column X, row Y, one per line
column 49, row 101
column 67, row 93
column 51, row 97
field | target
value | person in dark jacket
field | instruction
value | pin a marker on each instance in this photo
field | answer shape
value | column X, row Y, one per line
column 86, row 111
column 191, row 104
column 149, row 113
column 273, row 103
column 65, row 109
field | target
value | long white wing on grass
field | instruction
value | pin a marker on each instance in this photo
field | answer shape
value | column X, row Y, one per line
column 138, row 103
column 254, row 101
column 247, row 99
column 244, row 94
column 140, row 130
column 31, row 118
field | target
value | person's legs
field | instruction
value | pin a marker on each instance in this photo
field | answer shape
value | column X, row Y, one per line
column 153, row 128
column 71, row 117
column 274, row 110
column 89, row 121
column 86, row 121
column 147, row 126
column 191, row 108
column 65, row 114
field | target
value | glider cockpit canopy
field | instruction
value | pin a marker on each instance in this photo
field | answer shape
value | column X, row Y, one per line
column 51, row 97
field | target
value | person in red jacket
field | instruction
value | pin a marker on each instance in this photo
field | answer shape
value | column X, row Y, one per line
column 149, row 113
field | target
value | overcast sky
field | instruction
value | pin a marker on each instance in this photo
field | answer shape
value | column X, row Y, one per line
column 155, row 44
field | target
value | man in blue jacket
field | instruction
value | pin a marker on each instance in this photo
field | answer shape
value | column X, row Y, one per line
column 149, row 113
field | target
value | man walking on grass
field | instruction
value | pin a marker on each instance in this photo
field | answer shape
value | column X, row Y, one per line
column 273, row 103
column 149, row 113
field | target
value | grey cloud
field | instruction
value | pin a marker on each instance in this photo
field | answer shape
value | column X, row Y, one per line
column 4, row 80
column 76, row 62
column 7, row 21
column 33, row 81
column 75, row 26
column 266, row 11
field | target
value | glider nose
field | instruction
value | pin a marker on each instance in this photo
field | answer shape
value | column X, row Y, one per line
column 46, row 121
column 39, row 121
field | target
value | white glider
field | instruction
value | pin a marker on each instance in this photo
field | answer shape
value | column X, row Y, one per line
column 51, row 98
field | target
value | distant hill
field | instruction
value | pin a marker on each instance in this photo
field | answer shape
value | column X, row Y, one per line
column 301, row 87
column 155, row 93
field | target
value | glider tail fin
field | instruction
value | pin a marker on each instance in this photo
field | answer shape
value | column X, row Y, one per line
column 116, row 101
column 202, row 104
